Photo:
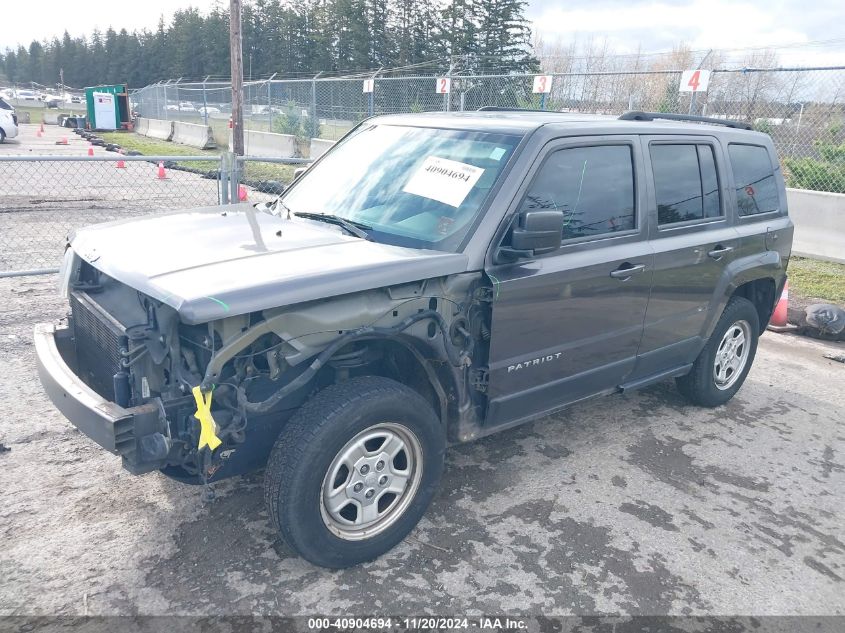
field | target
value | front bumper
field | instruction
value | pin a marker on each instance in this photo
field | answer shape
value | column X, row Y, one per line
column 130, row 433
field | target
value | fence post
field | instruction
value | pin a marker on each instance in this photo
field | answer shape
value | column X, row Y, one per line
column 165, row 99
column 235, row 179
column 270, row 97
column 447, row 106
column 204, row 102
column 225, row 174
column 314, row 125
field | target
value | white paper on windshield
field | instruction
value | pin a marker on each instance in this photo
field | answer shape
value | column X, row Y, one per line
column 444, row 180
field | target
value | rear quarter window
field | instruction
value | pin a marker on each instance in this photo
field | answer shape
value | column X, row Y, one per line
column 754, row 179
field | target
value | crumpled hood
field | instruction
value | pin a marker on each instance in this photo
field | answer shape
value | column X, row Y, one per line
column 213, row 262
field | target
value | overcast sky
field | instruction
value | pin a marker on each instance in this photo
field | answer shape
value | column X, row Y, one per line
column 654, row 25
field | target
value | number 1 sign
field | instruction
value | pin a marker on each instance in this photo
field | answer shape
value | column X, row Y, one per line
column 695, row 80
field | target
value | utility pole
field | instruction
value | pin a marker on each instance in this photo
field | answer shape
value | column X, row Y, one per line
column 237, row 57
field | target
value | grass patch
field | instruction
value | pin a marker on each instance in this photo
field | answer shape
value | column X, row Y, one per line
column 816, row 279
column 154, row 147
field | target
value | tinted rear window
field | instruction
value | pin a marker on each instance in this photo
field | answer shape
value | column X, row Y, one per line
column 754, row 179
column 685, row 183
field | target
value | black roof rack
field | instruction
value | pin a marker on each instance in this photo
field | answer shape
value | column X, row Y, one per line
column 635, row 115
column 506, row 109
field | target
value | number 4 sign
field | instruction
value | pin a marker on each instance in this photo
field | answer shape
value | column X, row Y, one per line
column 444, row 85
column 695, row 81
column 542, row 84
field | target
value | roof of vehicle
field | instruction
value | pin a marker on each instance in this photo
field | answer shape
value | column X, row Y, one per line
column 523, row 121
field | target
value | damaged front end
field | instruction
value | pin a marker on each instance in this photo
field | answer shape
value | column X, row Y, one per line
column 206, row 401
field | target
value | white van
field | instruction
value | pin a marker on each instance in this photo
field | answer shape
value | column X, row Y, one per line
column 8, row 121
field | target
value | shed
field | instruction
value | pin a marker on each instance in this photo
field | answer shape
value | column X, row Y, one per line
column 108, row 107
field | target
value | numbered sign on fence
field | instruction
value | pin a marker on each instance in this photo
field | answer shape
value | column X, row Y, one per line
column 444, row 85
column 542, row 84
column 369, row 85
column 695, row 80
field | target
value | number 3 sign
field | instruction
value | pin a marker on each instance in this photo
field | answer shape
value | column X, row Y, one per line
column 444, row 85
column 695, row 81
column 542, row 84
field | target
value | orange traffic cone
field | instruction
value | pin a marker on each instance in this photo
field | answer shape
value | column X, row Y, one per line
column 242, row 193
column 162, row 175
column 42, row 127
column 38, row 134
column 778, row 322
column 90, row 150
column 63, row 141
column 121, row 164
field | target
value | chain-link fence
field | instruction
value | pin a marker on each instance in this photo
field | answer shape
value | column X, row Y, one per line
column 44, row 198
column 803, row 109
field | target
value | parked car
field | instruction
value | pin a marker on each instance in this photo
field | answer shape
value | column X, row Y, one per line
column 8, row 121
column 430, row 280
column 27, row 95
column 204, row 110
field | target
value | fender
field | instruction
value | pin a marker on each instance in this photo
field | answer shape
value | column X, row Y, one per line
column 765, row 265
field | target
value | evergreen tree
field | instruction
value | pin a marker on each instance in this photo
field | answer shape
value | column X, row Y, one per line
column 291, row 38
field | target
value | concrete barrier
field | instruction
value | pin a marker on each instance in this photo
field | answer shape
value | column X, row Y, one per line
column 819, row 219
column 50, row 118
column 162, row 130
column 268, row 144
column 142, row 126
column 200, row 136
column 320, row 146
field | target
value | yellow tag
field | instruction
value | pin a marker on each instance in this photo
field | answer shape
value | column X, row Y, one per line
column 208, row 427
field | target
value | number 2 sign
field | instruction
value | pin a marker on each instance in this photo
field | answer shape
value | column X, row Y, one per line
column 695, row 81
column 444, row 85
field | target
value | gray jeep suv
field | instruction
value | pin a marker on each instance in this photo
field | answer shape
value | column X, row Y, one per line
column 432, row 279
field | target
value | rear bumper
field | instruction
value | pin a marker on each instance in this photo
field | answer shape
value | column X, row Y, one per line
column 116, row 429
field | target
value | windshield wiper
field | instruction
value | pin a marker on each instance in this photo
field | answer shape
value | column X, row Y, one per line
column 358, row 229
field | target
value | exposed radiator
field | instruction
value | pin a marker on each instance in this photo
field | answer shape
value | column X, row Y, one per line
column 99, row 338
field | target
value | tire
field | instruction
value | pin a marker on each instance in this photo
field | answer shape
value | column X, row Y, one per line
column 330, row 432
column 709, row 385
column 2, row 135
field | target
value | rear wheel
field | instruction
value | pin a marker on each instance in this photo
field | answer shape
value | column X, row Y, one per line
column 354, row 470
column 2, row 135
column 723, row 364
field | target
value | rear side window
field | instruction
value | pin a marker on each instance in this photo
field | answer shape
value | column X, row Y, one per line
column 685, row 183
column 754, row 178
column 593, row 186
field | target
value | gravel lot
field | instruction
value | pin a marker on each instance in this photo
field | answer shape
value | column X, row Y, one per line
column 631, row 504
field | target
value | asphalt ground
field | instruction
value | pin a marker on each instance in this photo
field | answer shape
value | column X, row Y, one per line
column 634, row 504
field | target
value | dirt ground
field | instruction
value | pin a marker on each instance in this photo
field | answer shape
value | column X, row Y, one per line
column 633, row 504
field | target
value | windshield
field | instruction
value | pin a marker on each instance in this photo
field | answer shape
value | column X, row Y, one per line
column 419, row 187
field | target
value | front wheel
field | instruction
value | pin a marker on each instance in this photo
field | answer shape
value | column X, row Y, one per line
column 723, row 364
column 354, row 470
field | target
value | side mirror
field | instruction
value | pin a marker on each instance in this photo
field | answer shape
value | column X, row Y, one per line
column 299, row 171
column 535, row 233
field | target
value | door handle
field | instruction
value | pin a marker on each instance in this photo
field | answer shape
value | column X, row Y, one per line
column 625, row 273
column 719, row 251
